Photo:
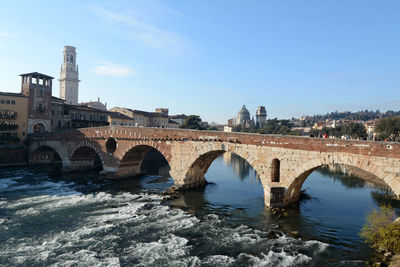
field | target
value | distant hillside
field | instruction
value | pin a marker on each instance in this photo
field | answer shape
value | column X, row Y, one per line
column 348, row 115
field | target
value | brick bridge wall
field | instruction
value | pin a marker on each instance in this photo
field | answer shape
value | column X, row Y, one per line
column 282, row 162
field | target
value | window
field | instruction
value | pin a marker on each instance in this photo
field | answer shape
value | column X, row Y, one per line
column 8, row 102
column 2, row 101
column 12, row 102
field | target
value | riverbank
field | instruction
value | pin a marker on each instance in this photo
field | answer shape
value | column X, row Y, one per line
column 13, row 155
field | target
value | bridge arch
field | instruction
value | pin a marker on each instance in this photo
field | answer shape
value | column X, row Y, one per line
column 197, row 167
column 132, row 158
column 45, row 154
column 364, row 167
column 86, row 155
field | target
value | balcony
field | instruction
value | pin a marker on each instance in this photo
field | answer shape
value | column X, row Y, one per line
column 7, row 127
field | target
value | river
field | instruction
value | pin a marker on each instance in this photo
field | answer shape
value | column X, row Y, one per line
column 76, row 219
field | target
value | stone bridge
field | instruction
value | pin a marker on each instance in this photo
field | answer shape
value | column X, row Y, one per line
column 281, row 162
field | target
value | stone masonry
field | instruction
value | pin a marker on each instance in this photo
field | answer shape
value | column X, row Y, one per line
column 191, row 152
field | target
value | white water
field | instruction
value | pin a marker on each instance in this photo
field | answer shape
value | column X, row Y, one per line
column 52, row 223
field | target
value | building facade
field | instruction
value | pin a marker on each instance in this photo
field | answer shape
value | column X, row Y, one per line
column 144, row 118
column 119, row 119
column 95, row 104
column 38, row 87
column 173, row 124
column 85, row 117
column 59, row 120
column 180, row 119
column 13, row 118
column 69, row 77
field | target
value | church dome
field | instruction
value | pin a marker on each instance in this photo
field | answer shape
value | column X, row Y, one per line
column 243, row 114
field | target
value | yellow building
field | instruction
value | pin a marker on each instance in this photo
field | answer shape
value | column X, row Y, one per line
column 144, row 118
column 13, row 117
column 119, row 119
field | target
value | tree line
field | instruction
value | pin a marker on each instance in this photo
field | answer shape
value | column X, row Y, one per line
column 386, row 129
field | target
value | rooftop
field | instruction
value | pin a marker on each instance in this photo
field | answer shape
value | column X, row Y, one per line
column 12, row 94
column 84, row 108
column 173, row 122
column 181, row 116
column 118, row 115
column 57, row 99
column 150, row 114
column 37, row 75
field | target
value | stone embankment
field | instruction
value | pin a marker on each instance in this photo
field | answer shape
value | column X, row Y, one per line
column 13, row 155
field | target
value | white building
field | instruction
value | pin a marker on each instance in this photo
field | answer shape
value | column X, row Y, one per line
column 95, row 104
column 69, row 77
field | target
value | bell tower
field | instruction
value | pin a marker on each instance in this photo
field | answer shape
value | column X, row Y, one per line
column 69, row 77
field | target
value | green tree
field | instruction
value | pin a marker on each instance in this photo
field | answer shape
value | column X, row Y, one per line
column 380, row 231
column 193, row 122
column 388, row 128
column 354, row 130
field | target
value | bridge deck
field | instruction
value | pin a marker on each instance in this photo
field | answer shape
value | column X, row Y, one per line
column 361, row 147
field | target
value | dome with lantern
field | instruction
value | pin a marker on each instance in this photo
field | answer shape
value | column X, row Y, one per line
column 243, row 114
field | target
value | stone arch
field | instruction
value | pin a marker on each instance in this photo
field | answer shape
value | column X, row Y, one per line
column 131, row 159
column 196, row 168
column 45, row 154
column 86, row 155
column 363, row 165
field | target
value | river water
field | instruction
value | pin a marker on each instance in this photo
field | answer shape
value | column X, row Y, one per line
column 50, row 218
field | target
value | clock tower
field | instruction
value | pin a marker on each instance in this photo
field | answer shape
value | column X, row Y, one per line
column 69, row 77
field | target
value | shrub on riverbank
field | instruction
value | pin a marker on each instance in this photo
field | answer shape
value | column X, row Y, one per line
column 381, row 232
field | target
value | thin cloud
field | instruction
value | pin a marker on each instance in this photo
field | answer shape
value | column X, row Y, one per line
column 114, row 70
column 139, row 28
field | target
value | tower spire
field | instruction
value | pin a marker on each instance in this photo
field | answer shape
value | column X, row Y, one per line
column 69, row 77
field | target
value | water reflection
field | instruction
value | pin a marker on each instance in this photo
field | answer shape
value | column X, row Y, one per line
column 240, row 166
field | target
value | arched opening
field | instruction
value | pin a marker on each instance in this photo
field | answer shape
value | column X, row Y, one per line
column 111, row 145
column 44, row 155
column 224, row 180
column 85, row 158
column 275, row 170
column 39, row 128
column 195, row 175
column 334, row 200
column 143, row 160
column 349, row 176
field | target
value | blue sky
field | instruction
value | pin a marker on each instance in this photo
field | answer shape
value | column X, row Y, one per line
column 211, row 57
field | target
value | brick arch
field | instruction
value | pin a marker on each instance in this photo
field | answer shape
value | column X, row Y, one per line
column 157, row 146
column 38, row 147
column 197, row 166
column 364, row 164
column 130, row 158
column 96, row 147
